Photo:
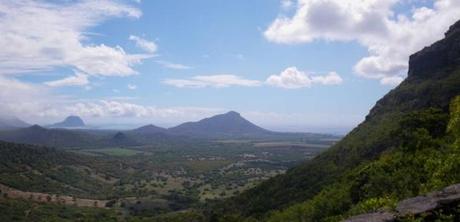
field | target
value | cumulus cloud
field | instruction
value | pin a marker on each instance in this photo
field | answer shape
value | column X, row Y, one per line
column 292, row 78
column 79, row 79
column 171, row 65
column 216, row 81
column 148, row 46
column 41, row 36
column 19, row 98
column 111, row 108
column 390, row 37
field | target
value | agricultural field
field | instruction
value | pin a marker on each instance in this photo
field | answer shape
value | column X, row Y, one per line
column 151, row 179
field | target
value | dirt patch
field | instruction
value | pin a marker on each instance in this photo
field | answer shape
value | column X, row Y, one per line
column 51, row 198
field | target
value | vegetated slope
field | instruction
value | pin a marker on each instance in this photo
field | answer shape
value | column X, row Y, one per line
column 322, row 187
column 50, row 137
column 41, row 169
column 230, row 124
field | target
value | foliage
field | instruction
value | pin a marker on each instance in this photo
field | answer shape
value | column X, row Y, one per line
column 18, row 210
column 421, row 157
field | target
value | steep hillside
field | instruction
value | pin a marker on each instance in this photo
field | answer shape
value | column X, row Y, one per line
column 41, row 169
column 323, row 187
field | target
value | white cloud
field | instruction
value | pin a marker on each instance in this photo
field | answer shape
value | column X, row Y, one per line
column 217, row 81
column 391, row 80
column 286, row 4
column 292, row 78
column 40, row 36
column 389, row 37
column 148, row 46
column 79, row 79
column 132, row 86
column 22, row 99
column 331, row 78
column 171, row 65
column 111, row 108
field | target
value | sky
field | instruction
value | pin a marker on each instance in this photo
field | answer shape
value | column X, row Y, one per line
column 287, row 65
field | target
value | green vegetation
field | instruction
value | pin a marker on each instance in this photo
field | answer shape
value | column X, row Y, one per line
column 146, row 181
column 20, row 210
column 113, row 151
column 426, row 160
column 408, row 145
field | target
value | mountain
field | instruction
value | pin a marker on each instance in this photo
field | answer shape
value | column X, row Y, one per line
column 121, row 139
column 405, row 147
column 149, row 129
column 11, row 122
column 230, row 124
column 69, row 122
column 49, row 137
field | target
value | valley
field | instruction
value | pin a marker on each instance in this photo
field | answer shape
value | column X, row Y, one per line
column 230, row 111
column 137, row 174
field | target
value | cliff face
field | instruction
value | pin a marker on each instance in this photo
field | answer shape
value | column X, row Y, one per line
column 441, row 55
column 433, row 81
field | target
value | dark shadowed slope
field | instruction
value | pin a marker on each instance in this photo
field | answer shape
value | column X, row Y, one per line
column 49, row 137
column 433, row 81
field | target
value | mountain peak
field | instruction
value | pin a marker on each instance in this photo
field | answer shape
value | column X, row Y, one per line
column 36, row 127
column 150, row 128
column 437, row 57
column 230, row 124
column 233, row 114
column 453, row 29
column 70, row 121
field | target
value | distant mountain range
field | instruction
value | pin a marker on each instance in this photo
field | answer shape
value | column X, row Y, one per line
column 50, row 137
column 11, row 122
column 72, row 133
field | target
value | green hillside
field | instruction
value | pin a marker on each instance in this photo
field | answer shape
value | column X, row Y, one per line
column 403, row 148
column 41, row 169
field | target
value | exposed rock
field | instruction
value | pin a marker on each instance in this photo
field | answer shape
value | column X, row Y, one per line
column 373, row 217
column 444, row 53
column 430, row 202
column 447, row 197
column 416, row 205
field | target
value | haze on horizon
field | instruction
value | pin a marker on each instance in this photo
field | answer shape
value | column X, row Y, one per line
column 291, row 66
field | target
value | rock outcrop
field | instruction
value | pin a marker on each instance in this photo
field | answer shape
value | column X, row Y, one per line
column 416, row 206
column 444, row 53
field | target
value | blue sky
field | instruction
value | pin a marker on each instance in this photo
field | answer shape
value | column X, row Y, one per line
column 164, row 62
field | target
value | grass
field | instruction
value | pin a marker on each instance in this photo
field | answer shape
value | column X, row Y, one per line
column 113, row 152
column 201, row 166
